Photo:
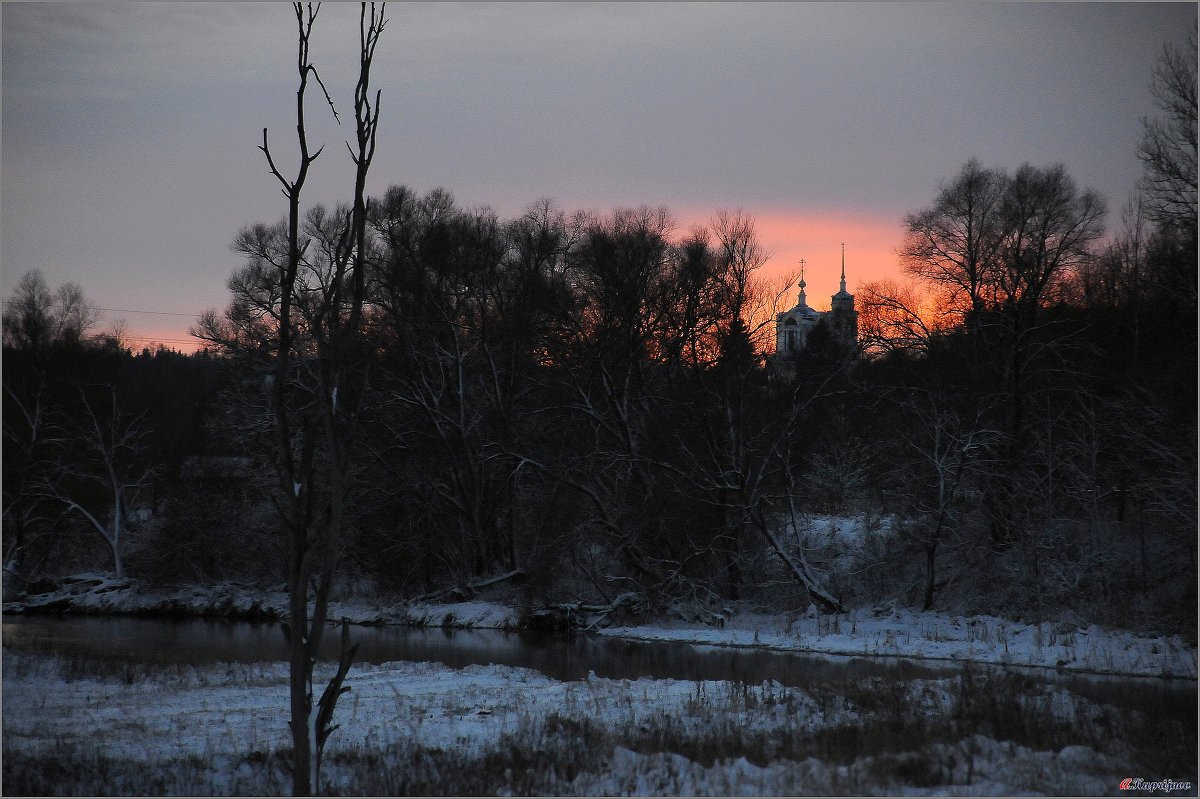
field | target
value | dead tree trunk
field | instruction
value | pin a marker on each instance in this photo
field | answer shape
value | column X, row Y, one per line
column 314, row 529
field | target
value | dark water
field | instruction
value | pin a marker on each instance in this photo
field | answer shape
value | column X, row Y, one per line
column 134, row 640
column 565, row 658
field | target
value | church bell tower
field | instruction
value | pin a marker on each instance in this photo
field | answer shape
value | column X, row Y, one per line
column 843, row 318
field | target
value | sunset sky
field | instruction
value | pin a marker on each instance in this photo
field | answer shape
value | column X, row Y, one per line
column 130, row 131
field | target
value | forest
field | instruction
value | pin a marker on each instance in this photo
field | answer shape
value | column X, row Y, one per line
column 586, row 408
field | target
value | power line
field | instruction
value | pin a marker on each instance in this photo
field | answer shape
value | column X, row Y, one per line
column 163, row 340
column 154, row 339
column 157, row 313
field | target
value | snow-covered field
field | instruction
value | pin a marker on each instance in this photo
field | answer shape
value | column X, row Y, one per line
column 422, row 728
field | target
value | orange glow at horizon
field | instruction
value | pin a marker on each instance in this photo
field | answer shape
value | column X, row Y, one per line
column 817, row 237
column 148, row 336
column 814, row 235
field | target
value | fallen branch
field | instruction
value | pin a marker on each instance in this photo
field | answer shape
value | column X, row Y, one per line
column 798, row 568
column 468, row 590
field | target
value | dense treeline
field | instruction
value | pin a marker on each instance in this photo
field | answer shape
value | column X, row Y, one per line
column 583, row 406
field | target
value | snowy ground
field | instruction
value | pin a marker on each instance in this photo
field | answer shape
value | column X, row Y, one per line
column 103, row 594
column 422, row 728
column 907, row 633
column 84, row 725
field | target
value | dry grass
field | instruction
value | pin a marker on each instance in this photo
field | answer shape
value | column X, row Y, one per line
column 879, row 735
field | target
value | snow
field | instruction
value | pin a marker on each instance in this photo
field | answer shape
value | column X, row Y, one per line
column 664, row 773
column 899, row 632
column 228, row 723
column 232, row 708
column 484, row 615
column 215, row 719
column 844, row 533
column 880, row 631
column 104, row 594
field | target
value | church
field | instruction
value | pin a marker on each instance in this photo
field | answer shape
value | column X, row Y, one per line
column 792, row 328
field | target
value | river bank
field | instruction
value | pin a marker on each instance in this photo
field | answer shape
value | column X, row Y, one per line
column 877, row 631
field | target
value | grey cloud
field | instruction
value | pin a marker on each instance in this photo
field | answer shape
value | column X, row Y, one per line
column 704, row 105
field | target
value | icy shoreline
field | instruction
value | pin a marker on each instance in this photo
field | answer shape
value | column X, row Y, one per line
column 897, row 632
column 98, row 594
column 864, row 632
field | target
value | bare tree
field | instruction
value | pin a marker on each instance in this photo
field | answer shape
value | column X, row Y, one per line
column 1120, row 277
column 793, row 558
column 107, row 463
column 299, row 302
column 33, row 432
column 1049, row 231
column 943, row 445
column 36, row 317
column 27, row 321
column 1004, row 248
column 74, row 317
column 955, row 243
column 1168, row 148
column 895, row 318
